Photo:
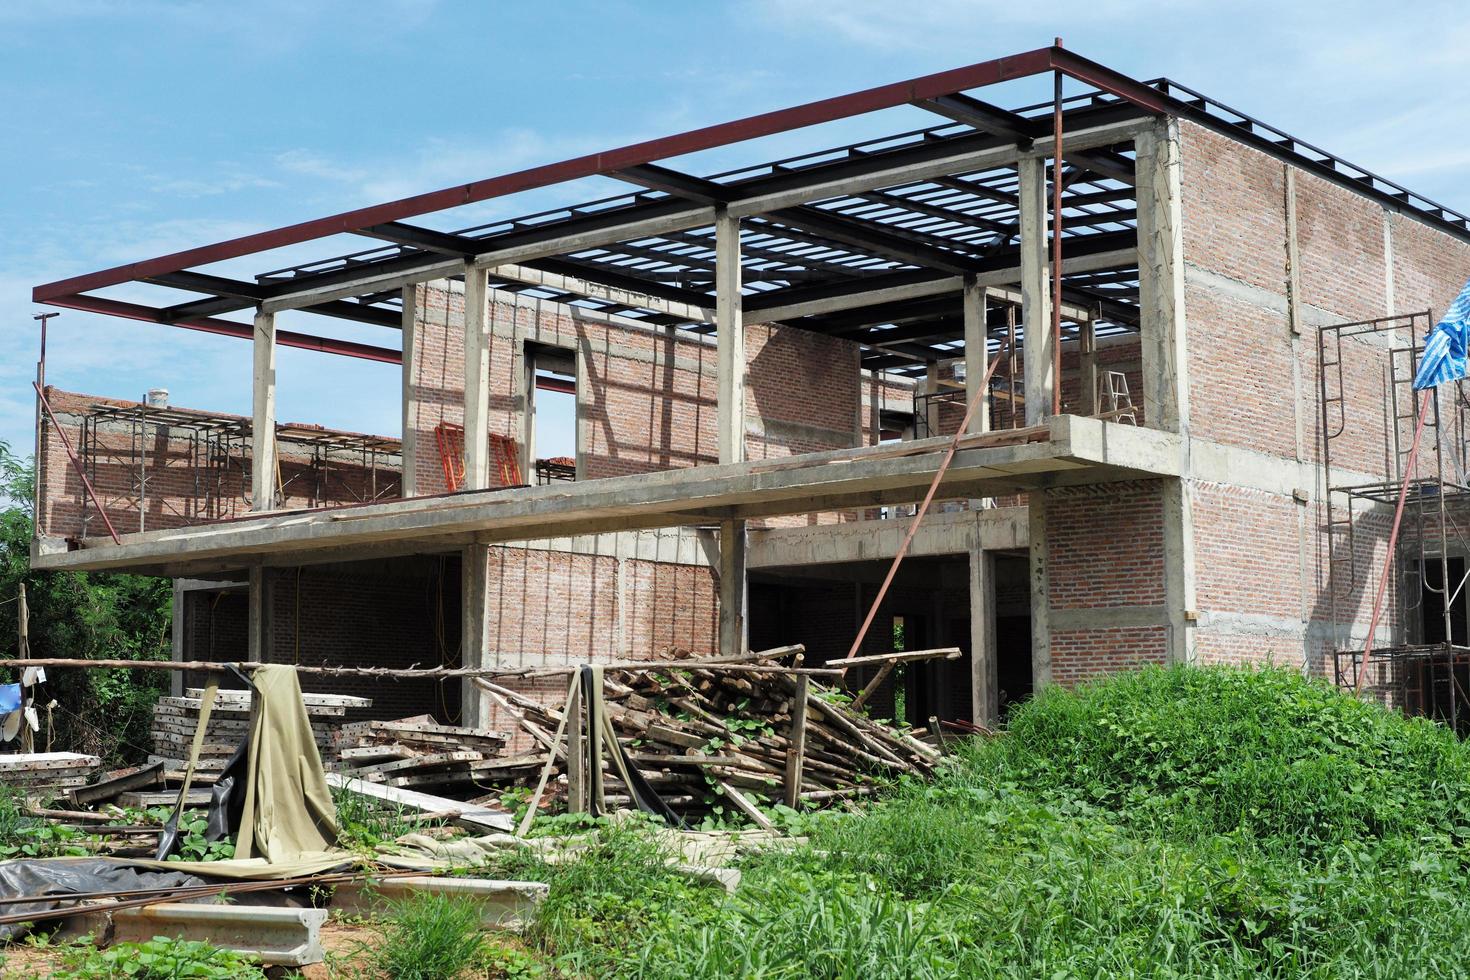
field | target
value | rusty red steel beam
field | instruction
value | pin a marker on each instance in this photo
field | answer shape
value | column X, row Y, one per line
column 229, row 328
column 76, row 464
column 69, row 292
column 591, row 165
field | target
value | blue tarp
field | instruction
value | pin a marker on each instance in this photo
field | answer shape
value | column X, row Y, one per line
column 9, row 698
column 1444, row 351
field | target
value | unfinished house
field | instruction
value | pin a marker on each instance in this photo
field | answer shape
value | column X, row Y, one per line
column 1133, row 298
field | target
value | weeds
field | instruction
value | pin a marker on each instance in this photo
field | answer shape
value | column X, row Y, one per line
column 159, row 958
column 430, row 937
column 1169, row 823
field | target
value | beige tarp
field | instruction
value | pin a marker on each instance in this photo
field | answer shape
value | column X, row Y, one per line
column 289, row 823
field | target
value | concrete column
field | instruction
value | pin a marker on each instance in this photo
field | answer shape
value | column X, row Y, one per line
column 263, row 416
column 1087, row 363
column 1179, row 591
column 1040, row 592
column 733, row 630
column 1035, row 290
column 984, row 685
column 176, row 677
column 476, row 381
column 931, row 405
column 1161, row 279
column 976, row 355
column 730, row 334
column 474, row 583
column 258, row 616
column 409, row 482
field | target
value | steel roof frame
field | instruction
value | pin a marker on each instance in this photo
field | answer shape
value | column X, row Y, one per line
column 943, row 223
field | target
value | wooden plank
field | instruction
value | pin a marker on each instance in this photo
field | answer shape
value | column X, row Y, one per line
column 475, row 817
column 745, row 806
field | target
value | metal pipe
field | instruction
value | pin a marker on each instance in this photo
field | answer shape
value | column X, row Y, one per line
column 1393, row 537
column 1056, row 243
column 76, row 464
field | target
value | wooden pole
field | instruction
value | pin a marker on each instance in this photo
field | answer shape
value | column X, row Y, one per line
column 23, row 647
column 796, row 745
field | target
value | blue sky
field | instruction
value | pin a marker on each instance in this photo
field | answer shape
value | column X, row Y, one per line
column 137, row 127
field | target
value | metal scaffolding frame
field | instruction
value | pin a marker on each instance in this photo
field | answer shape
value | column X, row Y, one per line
column 212, row 447
column 1426, row 670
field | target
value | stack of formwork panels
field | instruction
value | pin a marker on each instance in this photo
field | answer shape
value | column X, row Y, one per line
column 46, row 773
column 176, row 719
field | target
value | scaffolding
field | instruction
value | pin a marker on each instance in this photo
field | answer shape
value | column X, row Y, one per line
column 1425, row 669
column 141, row 443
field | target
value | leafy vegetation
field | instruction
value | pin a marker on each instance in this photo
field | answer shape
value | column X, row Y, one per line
column 100, row 712
column 1181, row 822
column 160, row 958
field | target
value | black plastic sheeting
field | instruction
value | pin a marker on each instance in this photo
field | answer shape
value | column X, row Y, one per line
column 60, row 877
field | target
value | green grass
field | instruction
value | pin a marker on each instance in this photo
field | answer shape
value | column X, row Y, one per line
column 429, row 937
column 1181, row 822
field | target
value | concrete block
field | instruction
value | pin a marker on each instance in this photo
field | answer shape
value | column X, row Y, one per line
column 277, row 936
column 504, row 904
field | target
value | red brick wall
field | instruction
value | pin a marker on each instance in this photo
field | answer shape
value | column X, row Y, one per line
column 1261, row 568
column 554, row 607
column 181, row 490
column 649, row 396
column 1105, row 551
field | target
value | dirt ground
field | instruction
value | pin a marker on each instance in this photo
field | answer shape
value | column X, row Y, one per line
column 348, row 946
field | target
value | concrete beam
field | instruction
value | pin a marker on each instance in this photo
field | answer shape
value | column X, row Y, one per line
column 1162, row 333
column 1078, row 450
column 275, row 936
column 263, row 415
column 956, row 533
column 1036, row 291
column 598, row 291
column 476, row 381
column 502, row 904
column 995, row 282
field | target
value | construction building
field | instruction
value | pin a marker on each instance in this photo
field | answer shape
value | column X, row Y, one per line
column 1177, row 452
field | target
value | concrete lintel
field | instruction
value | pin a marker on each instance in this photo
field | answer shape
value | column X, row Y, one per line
column 961, row 532
column 1101, row 618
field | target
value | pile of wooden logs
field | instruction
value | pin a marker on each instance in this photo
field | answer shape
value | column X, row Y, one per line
column 175, row 720
column 730, row 735
column 418, row 753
